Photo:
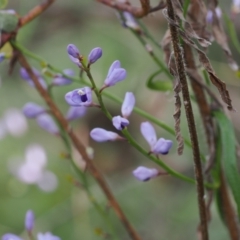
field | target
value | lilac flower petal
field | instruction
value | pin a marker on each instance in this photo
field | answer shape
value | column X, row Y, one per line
column 82, row 96
column 75, row 113
column 29, row 220
column 61, row 81
column 209, row 17
column 145, row 174
column 75, row 60
column 68, row 98
column 46, row 122
column 162, row 146
column 25, row 76
column 119, row 122
column 47, row 236
column 130, row 21
column 116, row 64
column 73, row 51
column 32, row 110
column 10, row 236
column 115, row 76
column 94, row 55
column 102, row 135
column 2, row 57
column 149, row 133
column 128, row 104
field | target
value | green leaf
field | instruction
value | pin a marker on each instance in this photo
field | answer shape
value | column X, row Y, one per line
column 228, row 158
column 232, row 32
column 159, row 85
column 8, row 22
column 3, row 3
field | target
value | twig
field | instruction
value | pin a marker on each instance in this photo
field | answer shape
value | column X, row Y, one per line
column 136, row 11
column 35, row 12
column 81, row 149
column 190, row 119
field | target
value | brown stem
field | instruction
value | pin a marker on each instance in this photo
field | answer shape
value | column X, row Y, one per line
column 191, row 122
column 35, row 12
column 81, row 149
column 228, row 210
column 136, row 11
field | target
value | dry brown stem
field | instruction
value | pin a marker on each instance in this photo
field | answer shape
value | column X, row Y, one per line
column 190, row 119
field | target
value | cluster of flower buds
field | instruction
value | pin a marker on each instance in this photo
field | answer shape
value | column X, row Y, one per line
column 57, row 80
column 209, row 17
column 45, row 120
column 29, row 225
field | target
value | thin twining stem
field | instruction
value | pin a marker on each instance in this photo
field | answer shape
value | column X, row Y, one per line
column 190, row 119
column 81, row 149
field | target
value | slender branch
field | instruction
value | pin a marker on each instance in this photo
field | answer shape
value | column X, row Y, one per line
column 35, row 12
column 190, row 119
column 136, row 11
column 81, row 149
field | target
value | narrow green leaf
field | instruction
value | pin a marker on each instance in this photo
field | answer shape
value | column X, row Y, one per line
column 8, row 22
column 232, row 32
column 3, row 3
column 228, row 157
column 159, row 85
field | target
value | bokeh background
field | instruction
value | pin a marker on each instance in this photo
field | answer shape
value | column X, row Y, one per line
column 164, row 208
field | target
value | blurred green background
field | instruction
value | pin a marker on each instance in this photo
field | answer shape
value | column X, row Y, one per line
column 164, row 208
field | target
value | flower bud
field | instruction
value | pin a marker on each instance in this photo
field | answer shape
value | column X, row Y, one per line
column 47, row 236
column 73, row 51
column 119, row 122
column 102, row 135
column 32, row 110
column 117, row 75
column 46, row 122
column 29, row 220
column 162, row 146
column 94, row 55
column 10, row 236
column 60, row 80
column 2, row 57
column 145, row 174
column 149, row 133
column 128, row 104
column 75, row 113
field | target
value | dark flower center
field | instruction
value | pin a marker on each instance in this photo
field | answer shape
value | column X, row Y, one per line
column 83, row 98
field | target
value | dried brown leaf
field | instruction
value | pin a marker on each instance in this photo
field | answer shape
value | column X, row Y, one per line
column 221, row 86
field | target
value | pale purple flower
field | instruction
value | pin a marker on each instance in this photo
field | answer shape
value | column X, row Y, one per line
column 73, row 51
column 119, row 122
column 209, row 17
column 2, row 57
column 60, row 80
column 75, row 113
column 236, row 6
column 160, row 146
column 24, row 74
column 47, row 236
column 8, row 11
column 130, row 21
column 145, row 174
column 79, row 97
column 29, row 220
column 115, row 74
column 46, row 122
column 32, row 110
column 102, row 135
column 128, row 104
column 94, row 55
column 10, row 236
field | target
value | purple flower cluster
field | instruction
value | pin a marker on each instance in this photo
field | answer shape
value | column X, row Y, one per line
column 29, row 225
column 45, row 120
column 58, row 79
